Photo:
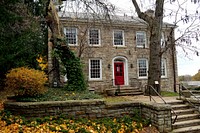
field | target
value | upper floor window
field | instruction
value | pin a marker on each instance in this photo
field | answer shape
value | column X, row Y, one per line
column 163, row 68
column 118, row 36
column 142, row 68
column 95, row 69
column 94, row 37
column 71, row 35
column 141, row 39
column 162, row 40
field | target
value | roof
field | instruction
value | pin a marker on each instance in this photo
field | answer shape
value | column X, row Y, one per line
column 105, row 18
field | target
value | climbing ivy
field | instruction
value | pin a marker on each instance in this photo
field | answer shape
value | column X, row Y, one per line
column 73, row 66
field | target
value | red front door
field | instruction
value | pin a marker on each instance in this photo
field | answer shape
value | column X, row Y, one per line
column 119, row 73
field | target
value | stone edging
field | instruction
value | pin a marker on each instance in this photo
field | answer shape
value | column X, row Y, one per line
column 159, row 114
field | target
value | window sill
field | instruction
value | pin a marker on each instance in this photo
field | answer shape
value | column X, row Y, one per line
column 72, row 45
column 95, row 80
column 142, row 77
column 142, row 47
column 94, row 45
column 119, row 46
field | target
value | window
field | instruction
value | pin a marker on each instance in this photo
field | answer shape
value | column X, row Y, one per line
column 142, row 68
column 71, row 35
column 118, row 38
column 141, row 39
column 94, row 37
column 163, row 68
column 95, row 71
column 162, row 40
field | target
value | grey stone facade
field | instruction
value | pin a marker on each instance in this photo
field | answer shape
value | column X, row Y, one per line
column 108, row 53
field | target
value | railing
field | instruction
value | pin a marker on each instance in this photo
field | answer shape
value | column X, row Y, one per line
column 181, row 88
column 151, row 98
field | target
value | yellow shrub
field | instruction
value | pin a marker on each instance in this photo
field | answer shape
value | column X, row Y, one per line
column 42, row 62
column 26, row 82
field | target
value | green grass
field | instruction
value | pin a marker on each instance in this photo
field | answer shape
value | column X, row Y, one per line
column 168, row 94
column 60, row 94
column 115, row 99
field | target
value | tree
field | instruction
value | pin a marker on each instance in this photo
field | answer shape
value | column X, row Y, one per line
column 185, row 78
column 155, row 27
column 185, row 39
column 22, row 38
column 56, row 36
column 196, row 77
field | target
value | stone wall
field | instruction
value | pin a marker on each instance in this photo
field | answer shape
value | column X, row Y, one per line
column 107, row 52
column 159, row 114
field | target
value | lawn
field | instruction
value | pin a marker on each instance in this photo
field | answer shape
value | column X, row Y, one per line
column 168, row 94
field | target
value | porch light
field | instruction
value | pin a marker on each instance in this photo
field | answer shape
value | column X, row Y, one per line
column 108, row 66
column 131, row 66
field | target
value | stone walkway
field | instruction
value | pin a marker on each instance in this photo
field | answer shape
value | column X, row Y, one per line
column 141, row 98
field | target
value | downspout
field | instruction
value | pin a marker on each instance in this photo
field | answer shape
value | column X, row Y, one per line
column 173, row 58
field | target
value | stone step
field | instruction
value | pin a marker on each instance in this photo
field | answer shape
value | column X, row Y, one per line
column 192, row 129
column 180, row 106
column 188, row 123
column 186, row 117
column 129, row 93
column 177, row 102
column 127, row 88
column 121, row 91
column 184, row 111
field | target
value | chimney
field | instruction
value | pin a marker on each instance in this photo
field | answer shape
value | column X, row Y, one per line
column 150, row 12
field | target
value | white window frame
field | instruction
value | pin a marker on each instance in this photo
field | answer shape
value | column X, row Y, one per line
column 99, row 39
column 65, row 32
column 99, row 78
column 162, row 41
column 142, row 45
column 138, row 68
column 122, row 34
column 163, row 66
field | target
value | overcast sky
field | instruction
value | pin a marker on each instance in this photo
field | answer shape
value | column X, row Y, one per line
column 187, row 65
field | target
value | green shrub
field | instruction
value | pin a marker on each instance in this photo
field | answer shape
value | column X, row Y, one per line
column 26, row 82
column 76, row 80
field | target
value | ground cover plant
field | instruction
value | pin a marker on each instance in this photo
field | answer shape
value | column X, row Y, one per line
column 59, row 94
column 168, row 94
column 58, row 124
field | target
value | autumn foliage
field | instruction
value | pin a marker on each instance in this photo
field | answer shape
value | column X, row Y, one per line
column 26, row 82
column 60, row 124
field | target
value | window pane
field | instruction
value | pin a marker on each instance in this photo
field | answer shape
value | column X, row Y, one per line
column 70, row 34
column 140, row 39
column 163, row 67
column 118, row 38
column 94, row 37
column 142, row 64
column 162, row 40
column 95, row 69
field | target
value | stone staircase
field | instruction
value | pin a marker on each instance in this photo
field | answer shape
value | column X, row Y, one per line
column 128, row 91
column 188, row 120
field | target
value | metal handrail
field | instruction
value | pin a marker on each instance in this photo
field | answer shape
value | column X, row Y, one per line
column 151, row 87
column 181, row 86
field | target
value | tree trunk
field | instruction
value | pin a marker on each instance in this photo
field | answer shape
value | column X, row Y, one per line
column 155, row 26
column 54, row 33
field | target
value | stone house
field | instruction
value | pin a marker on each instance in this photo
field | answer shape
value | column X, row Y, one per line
column 116, row 51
